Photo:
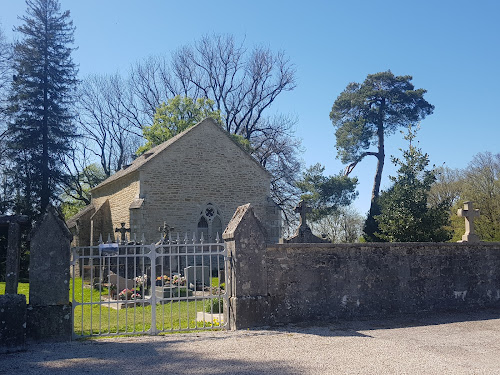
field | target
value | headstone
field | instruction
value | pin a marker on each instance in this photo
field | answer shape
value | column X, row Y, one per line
column 120, row 282
column 197, row 275
column 469, row 213
column 123, row 232
column 304, row 234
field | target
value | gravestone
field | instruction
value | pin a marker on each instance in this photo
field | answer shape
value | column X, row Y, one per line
column 49, row 311
column 120, row 282
column 197, row 275
column 123, row 233
column 469, row 213
column 303, row 234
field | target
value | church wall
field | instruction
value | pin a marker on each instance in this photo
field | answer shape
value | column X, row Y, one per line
column 120, row 194
column 201, row 167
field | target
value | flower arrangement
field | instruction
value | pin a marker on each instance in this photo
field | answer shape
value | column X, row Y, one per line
column 162, row 280
column 141, row 281
column 178, row 280
column 127, row 294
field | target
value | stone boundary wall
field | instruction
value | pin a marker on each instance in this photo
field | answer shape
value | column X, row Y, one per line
column 291, row 283
column 346, row 281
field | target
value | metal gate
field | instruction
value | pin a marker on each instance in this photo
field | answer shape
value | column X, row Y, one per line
column 133, row 288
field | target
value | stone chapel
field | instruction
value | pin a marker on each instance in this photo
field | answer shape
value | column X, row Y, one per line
column 191, row 184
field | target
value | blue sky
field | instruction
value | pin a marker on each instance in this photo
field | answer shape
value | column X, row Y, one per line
column 451, row 48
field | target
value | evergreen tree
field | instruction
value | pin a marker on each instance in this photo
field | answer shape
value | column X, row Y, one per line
column 326, row 194
column 364, row 114
column 405, row 214
column 40, row 127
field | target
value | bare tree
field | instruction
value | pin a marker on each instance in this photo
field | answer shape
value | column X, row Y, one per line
column 5, row 80
column 243, row 86
column 344, row 226
column 107, row 123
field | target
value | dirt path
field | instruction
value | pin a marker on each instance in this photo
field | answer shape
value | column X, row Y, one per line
column 441, row 344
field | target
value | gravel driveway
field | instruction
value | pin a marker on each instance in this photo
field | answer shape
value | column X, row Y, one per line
column 440, row 344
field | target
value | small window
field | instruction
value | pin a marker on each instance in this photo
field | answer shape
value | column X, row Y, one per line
column 210, row 223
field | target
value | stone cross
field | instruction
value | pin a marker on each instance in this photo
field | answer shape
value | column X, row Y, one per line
column 303, row 210
column 122, row 231
column 165, row 230
column 469, row 213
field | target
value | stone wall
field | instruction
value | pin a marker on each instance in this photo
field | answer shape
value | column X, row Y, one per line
column 201, row 167
column 289, row 283
column 120, row 194
column 175, row 183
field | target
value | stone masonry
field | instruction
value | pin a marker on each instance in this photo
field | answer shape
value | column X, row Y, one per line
column 174, row 182
column 287, row 283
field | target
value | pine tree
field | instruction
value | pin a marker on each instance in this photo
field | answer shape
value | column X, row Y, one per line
column 40, row 128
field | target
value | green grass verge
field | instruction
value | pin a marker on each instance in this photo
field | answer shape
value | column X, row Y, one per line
column 22, row 288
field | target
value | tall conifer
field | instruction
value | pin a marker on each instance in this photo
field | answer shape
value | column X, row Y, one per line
column 44, row 80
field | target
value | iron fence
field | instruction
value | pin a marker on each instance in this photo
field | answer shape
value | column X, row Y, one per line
column 134, row 288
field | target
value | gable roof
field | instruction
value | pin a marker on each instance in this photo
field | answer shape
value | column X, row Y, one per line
column 152, row 153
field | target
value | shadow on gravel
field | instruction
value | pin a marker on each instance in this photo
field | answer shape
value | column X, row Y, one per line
column 352, row 328
column 132, row 357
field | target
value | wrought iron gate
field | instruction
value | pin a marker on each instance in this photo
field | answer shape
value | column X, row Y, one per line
column 133, row 288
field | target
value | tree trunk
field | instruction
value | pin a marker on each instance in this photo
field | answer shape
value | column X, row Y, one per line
column 371, row 226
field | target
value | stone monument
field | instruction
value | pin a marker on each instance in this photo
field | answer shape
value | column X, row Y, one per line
column 469, row 213
column 303, row 234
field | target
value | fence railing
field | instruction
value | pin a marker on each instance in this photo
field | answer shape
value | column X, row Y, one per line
column 134, row 288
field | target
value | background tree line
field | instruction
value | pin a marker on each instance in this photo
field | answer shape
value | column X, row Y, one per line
column 60, row 136
column 84, row 131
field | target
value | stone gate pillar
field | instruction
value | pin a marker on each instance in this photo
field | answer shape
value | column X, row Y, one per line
column 49, row 311
column 245, row 239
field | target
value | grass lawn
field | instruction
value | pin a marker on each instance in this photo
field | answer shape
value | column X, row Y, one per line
column 22, row 288
column 99, row 318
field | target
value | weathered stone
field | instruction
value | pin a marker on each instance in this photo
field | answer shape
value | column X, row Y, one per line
column 469, row 213
column 13, row 257
column 197, row 275
column 50, row 261
column 308, row 282
column 14, row 224
column 303, row 234
column 245, row 239
column 12, row 323
column 176, row 182
column 50, row 323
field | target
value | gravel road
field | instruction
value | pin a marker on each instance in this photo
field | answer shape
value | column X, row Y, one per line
column 437, row 344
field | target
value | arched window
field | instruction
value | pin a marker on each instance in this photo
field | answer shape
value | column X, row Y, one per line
column 210, row 223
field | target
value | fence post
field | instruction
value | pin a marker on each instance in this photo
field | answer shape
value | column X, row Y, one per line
column 245, row 238
column 49, row 311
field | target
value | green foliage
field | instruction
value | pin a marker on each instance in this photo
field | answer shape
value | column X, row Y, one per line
column 78, row 195
column 479, row 182
column 325, row 194
column 363, row 114
column 40, row 124
column 214, row 305
column 175, row 116
column 382, row 103
column 405, row 214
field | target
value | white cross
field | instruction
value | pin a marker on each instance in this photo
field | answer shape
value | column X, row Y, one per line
column 469, row 213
